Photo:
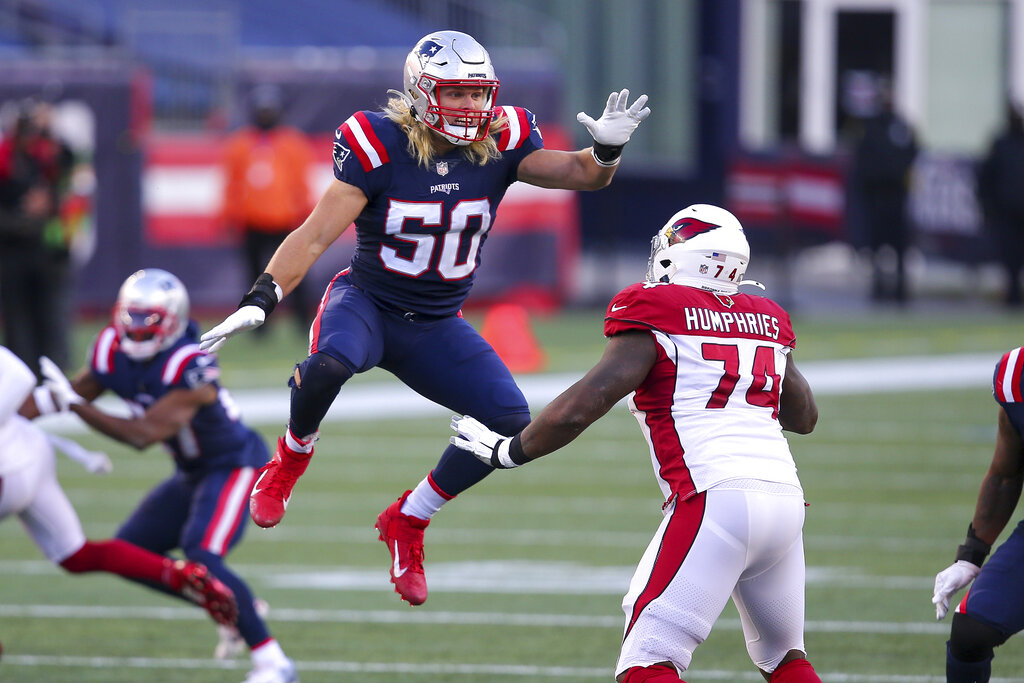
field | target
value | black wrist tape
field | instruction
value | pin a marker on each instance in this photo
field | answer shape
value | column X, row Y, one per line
column 607, row 154
column 263, row 294
column 515, row 450
column 973, row 550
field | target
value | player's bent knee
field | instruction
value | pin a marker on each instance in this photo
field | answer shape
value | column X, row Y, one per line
column 320, row 374
column 973, row 641
column 659, row 673
column 315, row 384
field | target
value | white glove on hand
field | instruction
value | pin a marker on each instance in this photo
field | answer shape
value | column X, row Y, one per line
column 489, row 447
column 949, row 581
column 93, row 461
column 245, row 318
column 58, row 384
column 617, row 123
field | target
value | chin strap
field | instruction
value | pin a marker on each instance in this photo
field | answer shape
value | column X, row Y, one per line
column 754, row 283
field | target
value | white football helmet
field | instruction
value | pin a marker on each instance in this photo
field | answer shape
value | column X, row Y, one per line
column 450, row 58
column 701, row 246
column 151, row 313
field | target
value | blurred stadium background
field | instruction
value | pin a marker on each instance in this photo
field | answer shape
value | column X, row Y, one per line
column 754, row 107
column 755, row 103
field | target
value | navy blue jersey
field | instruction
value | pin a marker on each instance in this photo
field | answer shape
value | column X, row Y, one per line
column 1008, row 386
column 418, row 239
column 215, row 437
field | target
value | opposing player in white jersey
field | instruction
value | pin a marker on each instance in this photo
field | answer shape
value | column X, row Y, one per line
column 712, row 384
column 30, row 490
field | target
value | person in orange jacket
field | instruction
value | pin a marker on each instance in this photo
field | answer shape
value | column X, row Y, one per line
column 266, row 190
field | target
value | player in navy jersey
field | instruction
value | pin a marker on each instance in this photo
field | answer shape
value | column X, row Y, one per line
column 712, row 383
column 422, row 181
column 150, row 357
column 992, row 610
column 29, row 489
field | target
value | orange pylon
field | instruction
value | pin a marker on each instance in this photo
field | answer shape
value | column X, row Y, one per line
column 507, row 328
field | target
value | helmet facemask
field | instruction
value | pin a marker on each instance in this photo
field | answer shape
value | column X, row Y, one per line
column 448, row 59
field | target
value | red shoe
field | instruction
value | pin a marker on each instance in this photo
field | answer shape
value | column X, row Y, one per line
column 404, row 537
column 273, row 488
column 194, row 581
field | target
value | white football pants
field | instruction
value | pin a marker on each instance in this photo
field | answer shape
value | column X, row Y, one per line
column 29, row 489
column 741, row 539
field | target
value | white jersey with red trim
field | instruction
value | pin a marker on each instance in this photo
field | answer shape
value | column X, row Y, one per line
column 421, row 233
column 709, row 406
column 16, row 383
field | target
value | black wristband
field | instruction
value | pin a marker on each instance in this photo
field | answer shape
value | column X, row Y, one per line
column 515, row 450
column 973, row 550
column 263, row 294
column 607, row 155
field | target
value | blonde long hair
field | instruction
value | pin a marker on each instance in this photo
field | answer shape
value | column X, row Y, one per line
column 421, row 139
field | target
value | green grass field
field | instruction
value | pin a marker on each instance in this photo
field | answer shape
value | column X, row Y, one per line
column 527, row 569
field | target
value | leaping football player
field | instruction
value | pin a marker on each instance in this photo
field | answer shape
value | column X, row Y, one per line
column 422, row 181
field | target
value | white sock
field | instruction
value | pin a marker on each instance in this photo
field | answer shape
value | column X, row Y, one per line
column 423, row 502
column 268, row 654
column 304, row 446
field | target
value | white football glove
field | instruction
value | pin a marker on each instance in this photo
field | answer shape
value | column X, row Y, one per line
column 489, row 447
column 949, row 581
column 93, row 461
column 54, row 380
column 245, row 318
column 617, row 123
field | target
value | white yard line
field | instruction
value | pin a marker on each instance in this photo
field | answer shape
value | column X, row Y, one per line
column 410, row 668
column 406, row 617
column 391, row 400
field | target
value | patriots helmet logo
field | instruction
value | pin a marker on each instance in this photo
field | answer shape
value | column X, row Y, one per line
column 427, row 49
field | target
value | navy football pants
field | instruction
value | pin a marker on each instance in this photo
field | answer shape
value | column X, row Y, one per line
column 444, row 360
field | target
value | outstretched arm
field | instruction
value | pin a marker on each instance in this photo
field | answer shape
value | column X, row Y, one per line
column 1001, row 488
column 997, row 499
column 627, row 360
column 165, row 418
column 340, row 204
column 591, row 168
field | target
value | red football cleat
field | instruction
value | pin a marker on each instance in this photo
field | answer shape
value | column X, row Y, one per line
column 195, row 582
column 404, row 537
column 273, row 488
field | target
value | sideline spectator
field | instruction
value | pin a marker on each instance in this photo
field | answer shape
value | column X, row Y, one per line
column 883, row 158
column 266, row 189
column 35, row 171
column 1001, row 195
